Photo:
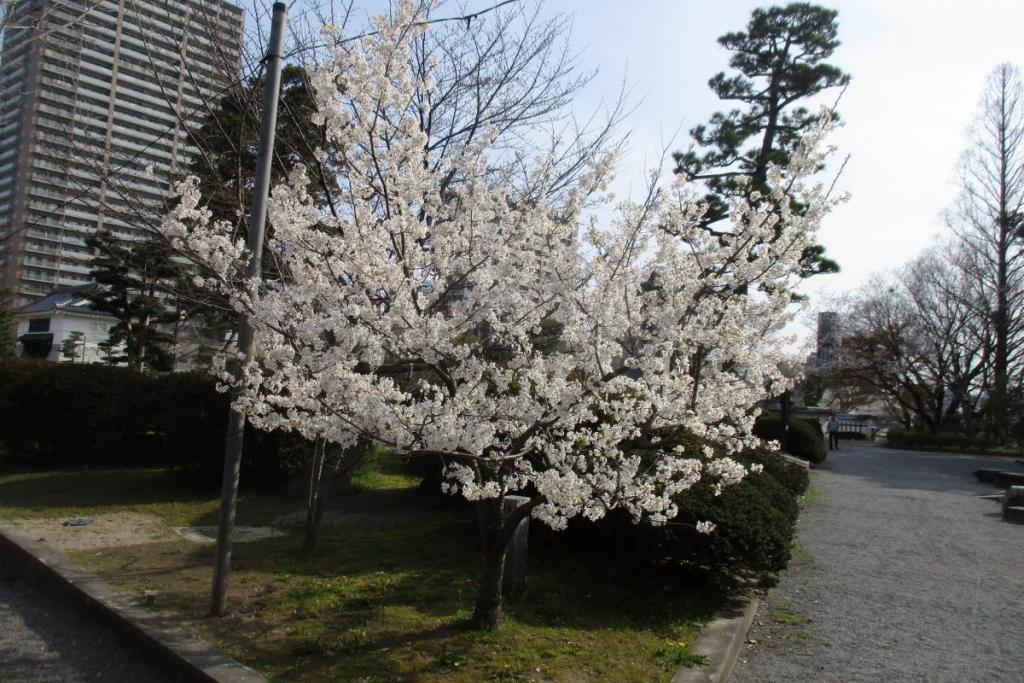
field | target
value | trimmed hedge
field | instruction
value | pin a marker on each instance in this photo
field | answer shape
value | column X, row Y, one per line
column 67, row 413
column 900, row 438
column 805, row 441
column 853, row 436
column 192, row 418
column 89, row 414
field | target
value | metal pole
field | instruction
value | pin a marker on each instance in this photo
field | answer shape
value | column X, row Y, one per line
column 786, row 401
column 257, row 221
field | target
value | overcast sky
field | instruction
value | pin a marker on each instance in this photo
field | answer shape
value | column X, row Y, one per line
column 918, row 69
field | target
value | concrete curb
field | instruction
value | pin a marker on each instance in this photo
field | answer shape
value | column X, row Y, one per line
column 721, row 640
column 175, row 653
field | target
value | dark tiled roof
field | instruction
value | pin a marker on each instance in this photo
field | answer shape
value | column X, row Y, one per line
column 72, row 299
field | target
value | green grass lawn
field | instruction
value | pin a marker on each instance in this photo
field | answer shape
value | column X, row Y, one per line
column 388, row 596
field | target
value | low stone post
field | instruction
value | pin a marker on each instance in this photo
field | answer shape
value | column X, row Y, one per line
column 513, row 580
column 1013, row 504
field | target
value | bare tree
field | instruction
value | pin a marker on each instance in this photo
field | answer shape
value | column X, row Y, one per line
column 916, row 341
column 988, row 220
column 879, row 356
column 957, row 343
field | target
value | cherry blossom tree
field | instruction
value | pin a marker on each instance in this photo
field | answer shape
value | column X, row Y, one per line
column 441, row 307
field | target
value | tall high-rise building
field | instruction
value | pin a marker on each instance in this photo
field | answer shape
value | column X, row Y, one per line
column 829, row 338
column 96, row 97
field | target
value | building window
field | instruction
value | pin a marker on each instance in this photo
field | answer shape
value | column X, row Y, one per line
column 39, row 325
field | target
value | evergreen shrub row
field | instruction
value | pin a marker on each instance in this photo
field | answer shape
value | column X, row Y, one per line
column 68, row 414
column 901, row 438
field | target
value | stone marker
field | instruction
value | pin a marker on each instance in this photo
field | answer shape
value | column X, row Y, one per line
column 513, row 579
column 1013, row 504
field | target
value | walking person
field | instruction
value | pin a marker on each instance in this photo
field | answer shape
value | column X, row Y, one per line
column 833, row 433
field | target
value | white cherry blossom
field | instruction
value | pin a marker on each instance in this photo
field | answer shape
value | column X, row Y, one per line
column 438, row 312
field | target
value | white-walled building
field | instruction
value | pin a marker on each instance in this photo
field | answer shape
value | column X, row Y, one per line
column 44, row 325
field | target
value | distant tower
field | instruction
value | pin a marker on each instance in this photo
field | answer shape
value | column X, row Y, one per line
column 95, row 97
column 828, row 338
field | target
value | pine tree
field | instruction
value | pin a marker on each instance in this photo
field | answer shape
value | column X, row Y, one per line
column 134, row 276
column 226, row 164
column 779, row 64
column 69, row 347
column 228, row 139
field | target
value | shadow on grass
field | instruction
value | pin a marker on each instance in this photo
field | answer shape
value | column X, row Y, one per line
column 388, row 596
column 395, row 601
column 56, row 493
column 94, row 488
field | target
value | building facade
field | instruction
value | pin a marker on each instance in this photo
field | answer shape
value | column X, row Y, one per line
column 44, row 325
column 96, row 98
column 829, row 338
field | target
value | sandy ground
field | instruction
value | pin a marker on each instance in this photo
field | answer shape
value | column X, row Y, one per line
column 106, row 530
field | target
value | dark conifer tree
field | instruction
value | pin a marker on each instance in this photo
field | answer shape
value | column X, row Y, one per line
column 133, row 278
column 778, row 63
column 7, row 330
column 228, row 139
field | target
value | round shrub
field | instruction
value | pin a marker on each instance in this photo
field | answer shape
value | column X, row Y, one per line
column 805, row 442
column 755, row 524
column 791, row 475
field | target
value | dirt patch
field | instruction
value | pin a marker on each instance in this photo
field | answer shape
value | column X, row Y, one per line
column 208, row 534
column 107, row 530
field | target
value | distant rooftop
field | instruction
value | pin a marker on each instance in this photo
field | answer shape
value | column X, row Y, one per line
column 66, row 299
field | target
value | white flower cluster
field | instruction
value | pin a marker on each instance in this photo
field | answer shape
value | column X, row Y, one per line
column 705, row 527
column 436, row 311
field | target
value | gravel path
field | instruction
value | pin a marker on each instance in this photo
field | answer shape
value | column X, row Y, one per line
column 42, row 640
column 906, row 576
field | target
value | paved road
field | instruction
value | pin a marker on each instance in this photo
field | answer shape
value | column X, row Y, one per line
column 907, row 576
column 42, row 640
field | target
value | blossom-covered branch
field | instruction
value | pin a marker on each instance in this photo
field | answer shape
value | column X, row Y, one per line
column 523, row 343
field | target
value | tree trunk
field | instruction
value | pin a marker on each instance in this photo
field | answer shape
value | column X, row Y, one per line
column 497, row 527
column 487, row 613
column 315, row 496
